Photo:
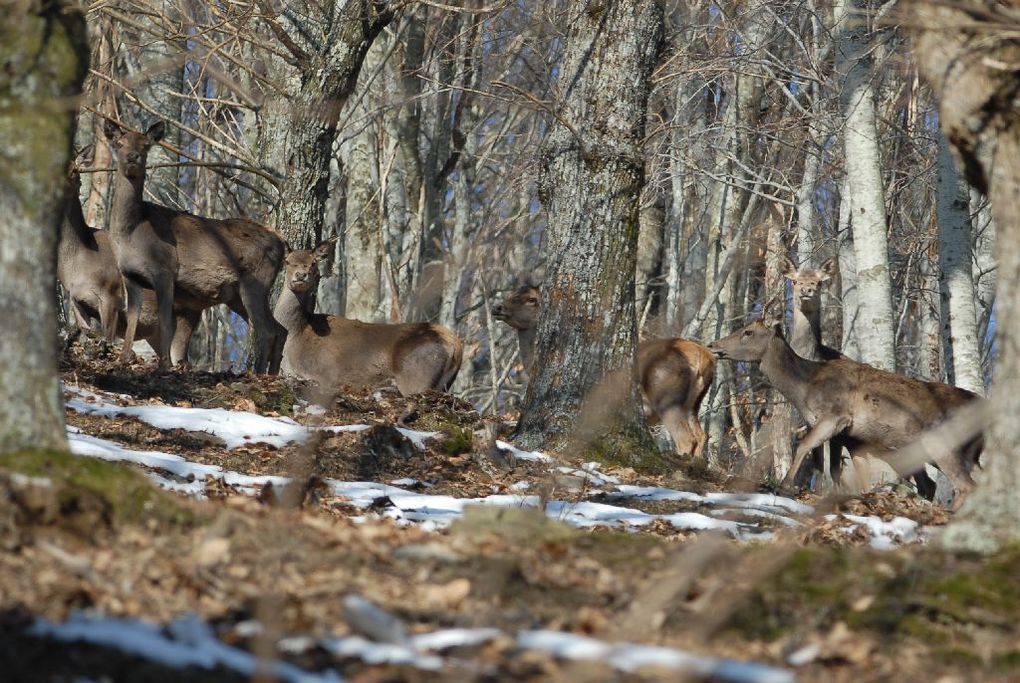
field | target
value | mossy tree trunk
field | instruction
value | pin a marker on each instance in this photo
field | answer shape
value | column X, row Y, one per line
column 969, row 58
column 44, row 52
column 592, row 173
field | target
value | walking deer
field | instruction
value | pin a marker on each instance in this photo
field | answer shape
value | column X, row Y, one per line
column 188, row 260
column 866, row 408
column 87, row 270
column 675, row 374
column 336, row 351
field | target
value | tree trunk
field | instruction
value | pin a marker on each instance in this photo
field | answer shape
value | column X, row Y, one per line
column 591, row 179
column 44, row 50
column 961, row 56
column 961, row 353
column 875, row 328
column 297, row 130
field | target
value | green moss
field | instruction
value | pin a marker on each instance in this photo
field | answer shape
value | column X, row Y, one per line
column 456, row 440
column 1008, row 661
column 125, row 494
column 627, row 448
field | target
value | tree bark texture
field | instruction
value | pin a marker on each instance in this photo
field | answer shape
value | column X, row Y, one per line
column 297, row 130
column 44, row 50
column 591, row 180
column 875, row 324
column 961, row 356
column 961, row 54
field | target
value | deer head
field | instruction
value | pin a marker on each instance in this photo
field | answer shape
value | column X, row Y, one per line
column 131, row 148
column 807, row 282
column 304, row 267
column 520, row 309
column 749, row 343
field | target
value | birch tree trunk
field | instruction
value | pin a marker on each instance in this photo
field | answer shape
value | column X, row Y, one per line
column 960, row 55
column 44, row 50
column 961, row 353
column 848, row 276
column 875, row 324
column 591, row 179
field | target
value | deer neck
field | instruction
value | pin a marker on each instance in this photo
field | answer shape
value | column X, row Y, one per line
column 526, row 340
column 292, row 311
column 74, row 231
column 126, row 211
column 806, row 334
column 787, row 372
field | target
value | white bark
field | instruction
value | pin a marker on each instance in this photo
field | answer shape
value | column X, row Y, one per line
column 876, row 323
column 848, row 277
column 962, row 353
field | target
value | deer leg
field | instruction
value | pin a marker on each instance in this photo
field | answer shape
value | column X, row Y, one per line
column 186, row 321
column 824, row 429
column 255, row 298
column 165, row 310
column 134, row 309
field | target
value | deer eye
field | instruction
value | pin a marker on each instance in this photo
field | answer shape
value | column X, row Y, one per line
column 532, row 300
column 747, row 333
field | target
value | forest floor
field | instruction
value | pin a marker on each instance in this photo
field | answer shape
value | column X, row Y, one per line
column 392, row 539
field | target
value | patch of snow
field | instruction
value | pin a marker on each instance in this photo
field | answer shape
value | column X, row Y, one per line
column 83, row 444
column 437, row 641
column 754, row 512
column 885, row 535
column 632, row 657
column 533, row 456
column 187, row 642
column 380, row 653
column 233, row 427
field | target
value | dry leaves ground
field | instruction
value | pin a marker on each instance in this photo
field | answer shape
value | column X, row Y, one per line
column 100, row 537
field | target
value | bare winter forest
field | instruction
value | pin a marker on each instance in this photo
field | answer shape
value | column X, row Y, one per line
column 578, row 340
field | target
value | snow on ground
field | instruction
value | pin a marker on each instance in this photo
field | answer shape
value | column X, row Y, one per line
column 885, row 535
column 188, row 641
column 236, row 428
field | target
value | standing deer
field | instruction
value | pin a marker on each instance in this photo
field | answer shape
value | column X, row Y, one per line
column 674, row 373
column 87, row 270
column 189, row 260
column 806, row 340
column 865, row 407
column 336, row 351
column 806, row 334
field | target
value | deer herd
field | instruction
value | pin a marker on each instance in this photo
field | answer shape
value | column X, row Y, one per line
column 156, row 269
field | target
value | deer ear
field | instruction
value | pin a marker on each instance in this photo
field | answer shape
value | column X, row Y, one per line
column 112, row 130
column 828, row 269
column 156, row 131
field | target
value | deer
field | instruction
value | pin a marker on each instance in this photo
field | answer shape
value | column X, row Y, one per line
column 674, row 373
column 187, row 260
column 87, row 270
column 865, row 408
column 335, row 351
column 806, row 337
